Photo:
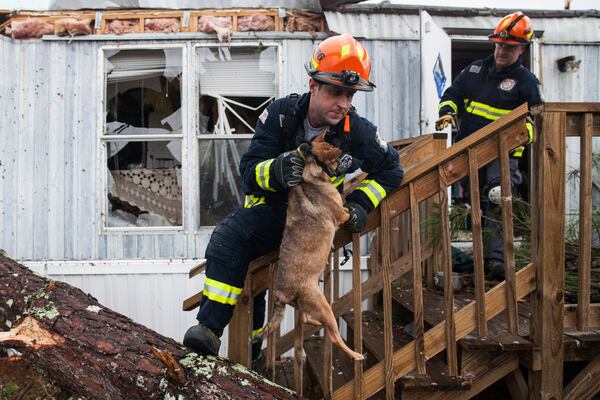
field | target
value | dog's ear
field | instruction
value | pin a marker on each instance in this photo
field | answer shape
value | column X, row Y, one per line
column 320, row 138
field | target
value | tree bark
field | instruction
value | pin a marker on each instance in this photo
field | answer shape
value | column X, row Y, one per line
column 89, row 350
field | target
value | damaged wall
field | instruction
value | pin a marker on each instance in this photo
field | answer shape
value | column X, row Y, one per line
column 49, row 190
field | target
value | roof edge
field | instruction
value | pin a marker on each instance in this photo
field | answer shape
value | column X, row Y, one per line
column 387, row 8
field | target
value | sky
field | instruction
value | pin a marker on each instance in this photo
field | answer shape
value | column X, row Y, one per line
column 506, row 4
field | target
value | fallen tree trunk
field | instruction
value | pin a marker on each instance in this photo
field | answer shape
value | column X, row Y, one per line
column 91, row 351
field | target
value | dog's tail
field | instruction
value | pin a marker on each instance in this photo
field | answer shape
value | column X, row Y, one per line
column 275, row 321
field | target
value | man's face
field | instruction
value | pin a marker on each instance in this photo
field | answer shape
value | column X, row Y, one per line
column 328, row 104
column 506, row 55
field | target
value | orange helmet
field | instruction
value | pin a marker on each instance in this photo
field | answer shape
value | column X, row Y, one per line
column 515, row 29
column 341, row 61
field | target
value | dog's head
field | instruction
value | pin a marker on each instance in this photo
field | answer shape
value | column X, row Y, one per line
column 321, row 153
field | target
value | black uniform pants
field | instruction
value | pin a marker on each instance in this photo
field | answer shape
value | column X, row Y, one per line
column 245, row 234
column 493, row 243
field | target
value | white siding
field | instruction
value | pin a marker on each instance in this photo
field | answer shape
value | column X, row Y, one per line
column 48, row 145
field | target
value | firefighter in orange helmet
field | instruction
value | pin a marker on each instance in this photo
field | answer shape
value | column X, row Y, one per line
column 337, row 69
column 484, row 91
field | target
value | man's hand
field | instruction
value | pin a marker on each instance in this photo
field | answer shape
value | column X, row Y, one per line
column 358, row 218
column 444, row 120
column 288, row 168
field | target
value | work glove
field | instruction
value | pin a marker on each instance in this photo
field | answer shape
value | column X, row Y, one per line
column 358, row 218
column 288, row 168
column 444, row 120
column 344, row 164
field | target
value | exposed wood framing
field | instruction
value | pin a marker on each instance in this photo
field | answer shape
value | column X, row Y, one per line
column 140, row 15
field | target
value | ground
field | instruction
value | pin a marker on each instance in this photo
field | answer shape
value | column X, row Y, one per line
column 20, row 381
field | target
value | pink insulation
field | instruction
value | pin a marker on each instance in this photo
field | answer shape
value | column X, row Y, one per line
column 303, row 23
column 165, row 25
column 72, row 27
column 256, row 22
column 31, row 29
column 221, row 25
column 119, row 27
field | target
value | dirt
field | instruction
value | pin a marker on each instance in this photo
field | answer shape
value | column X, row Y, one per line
column 20, row 381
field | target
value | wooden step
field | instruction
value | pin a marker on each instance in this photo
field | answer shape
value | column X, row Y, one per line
column 498, row 336
column 437, row 376
column 342, row 365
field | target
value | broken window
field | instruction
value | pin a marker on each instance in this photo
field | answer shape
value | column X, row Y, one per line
column 142, row 137
column 235, row 86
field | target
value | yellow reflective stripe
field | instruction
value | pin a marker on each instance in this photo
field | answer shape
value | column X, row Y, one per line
column 345, row 50
column 221, row 292
column 263, row 178
column 529, row 126
column 251, row 200
column 373, row 190
column 337, row 180
column 484, row 110
column 518, row 152
column 315, row 64
column 256, row 332
column 360, row 51
column 218, row 298
column 448, row 103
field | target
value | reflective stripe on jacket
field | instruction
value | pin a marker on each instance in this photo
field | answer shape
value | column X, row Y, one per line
column 368, row 151
column 480, row 95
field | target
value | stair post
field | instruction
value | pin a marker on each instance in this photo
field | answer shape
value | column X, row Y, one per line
column 548, row 245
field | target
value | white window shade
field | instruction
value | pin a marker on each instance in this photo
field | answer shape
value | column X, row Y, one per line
column 237, row 71
column 128, row 65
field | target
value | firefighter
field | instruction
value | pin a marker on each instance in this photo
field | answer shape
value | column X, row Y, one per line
column 272, row 165
column 483, row 92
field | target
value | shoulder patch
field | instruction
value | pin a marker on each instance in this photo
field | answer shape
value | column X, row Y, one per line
column 263, row 117
column 475, row 69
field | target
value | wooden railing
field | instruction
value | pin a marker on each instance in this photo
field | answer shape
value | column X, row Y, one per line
column 428, row 173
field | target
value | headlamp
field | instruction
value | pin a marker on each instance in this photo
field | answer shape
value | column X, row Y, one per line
column 350, row 77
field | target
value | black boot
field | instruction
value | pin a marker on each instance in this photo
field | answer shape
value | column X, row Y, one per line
column 495, row 269
column 202, row 340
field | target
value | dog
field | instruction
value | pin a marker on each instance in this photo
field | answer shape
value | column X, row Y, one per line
column 315, row 211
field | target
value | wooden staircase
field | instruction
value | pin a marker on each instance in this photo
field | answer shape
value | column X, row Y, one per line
column 422, row 343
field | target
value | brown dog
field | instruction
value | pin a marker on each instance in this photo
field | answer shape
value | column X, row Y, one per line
column 315, row 211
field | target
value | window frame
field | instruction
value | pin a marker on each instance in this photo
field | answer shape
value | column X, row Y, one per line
column 102, row 140
column 196, row 137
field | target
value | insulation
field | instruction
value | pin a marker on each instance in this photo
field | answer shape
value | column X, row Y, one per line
column 303, row 22
column 121, row 26
column 72, row 27
column 220, row 25
column 164, row 25
column 31, row 29
column 256, row 22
